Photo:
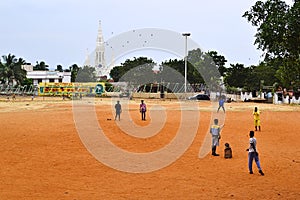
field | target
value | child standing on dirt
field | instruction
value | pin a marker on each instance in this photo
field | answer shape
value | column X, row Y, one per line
column 215, row 131
column 253, row 154
column 221, row 103
column 118, row 108
column 256, row 117
column 227, row 151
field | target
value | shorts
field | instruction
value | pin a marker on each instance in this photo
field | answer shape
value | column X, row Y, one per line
column 215, row 141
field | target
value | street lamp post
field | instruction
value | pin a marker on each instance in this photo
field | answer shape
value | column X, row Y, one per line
column 185, row 61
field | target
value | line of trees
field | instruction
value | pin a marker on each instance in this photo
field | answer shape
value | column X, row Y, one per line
column 278, row 36
column 235, row 76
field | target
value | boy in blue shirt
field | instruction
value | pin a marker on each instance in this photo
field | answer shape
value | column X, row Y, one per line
column 221, row 104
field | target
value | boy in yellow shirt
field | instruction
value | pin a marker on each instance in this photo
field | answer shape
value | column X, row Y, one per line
column 256, row 116
column 215, row 131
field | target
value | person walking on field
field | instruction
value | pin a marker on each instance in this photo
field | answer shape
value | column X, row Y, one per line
column 118, row 109
column 143, row 110
column 253, row 154
column 221, row 103
column 215, row 131
column 256, row 117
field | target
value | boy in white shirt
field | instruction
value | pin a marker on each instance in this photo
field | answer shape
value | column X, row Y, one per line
column 253, row 154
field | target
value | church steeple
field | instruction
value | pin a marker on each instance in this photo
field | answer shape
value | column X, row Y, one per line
column 99, row 52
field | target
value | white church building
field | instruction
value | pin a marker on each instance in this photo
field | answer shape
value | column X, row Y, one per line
column 98, row 58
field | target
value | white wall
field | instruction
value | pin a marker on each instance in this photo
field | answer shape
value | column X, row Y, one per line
column 47, row 75
column 285, row 100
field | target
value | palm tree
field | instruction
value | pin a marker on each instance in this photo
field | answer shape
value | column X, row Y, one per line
column 11, row 69
column 2, row 72
column 19, row 72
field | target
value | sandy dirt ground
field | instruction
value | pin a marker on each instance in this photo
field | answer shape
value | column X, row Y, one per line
column 43, row 157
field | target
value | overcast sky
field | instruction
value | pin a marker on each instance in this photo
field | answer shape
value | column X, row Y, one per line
column 61, row 31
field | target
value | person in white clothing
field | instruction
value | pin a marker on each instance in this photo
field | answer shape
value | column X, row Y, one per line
column 253, row 154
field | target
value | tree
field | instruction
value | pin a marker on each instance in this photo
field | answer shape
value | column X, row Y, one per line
column 193, row 75
column 59, row 68
column 11, row 69
column 41, row 66
column 74, row 71
column 19, row 72
column 206, row 67
column 278, row 35
column 116, row 73
column 142, row 66
column 250, row 78
column 27, row 81
column 271, row 19
column 172, row 71
column 236, row 76
column 264, row 72
column 219, row 60
column 293, row 31
column 86, row 74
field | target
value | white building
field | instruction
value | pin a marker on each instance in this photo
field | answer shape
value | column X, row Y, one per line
column 100, row 50
column 46, row 76
column 98, row 57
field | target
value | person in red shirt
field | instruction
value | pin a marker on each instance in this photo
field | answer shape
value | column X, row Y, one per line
column 143, row 109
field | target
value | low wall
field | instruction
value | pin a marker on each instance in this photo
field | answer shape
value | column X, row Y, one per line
column 248, row 96
column 144, row 95
column 285, row 100
column 275, row 98
column 213, row 96
column 165, row 95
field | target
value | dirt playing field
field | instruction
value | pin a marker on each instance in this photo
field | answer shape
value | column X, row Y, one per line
column 43, row 157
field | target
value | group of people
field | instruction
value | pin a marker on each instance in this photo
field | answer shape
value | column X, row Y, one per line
column 215, row 131
column 143, row 109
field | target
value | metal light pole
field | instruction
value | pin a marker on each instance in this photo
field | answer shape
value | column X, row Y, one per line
column 185, row 62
